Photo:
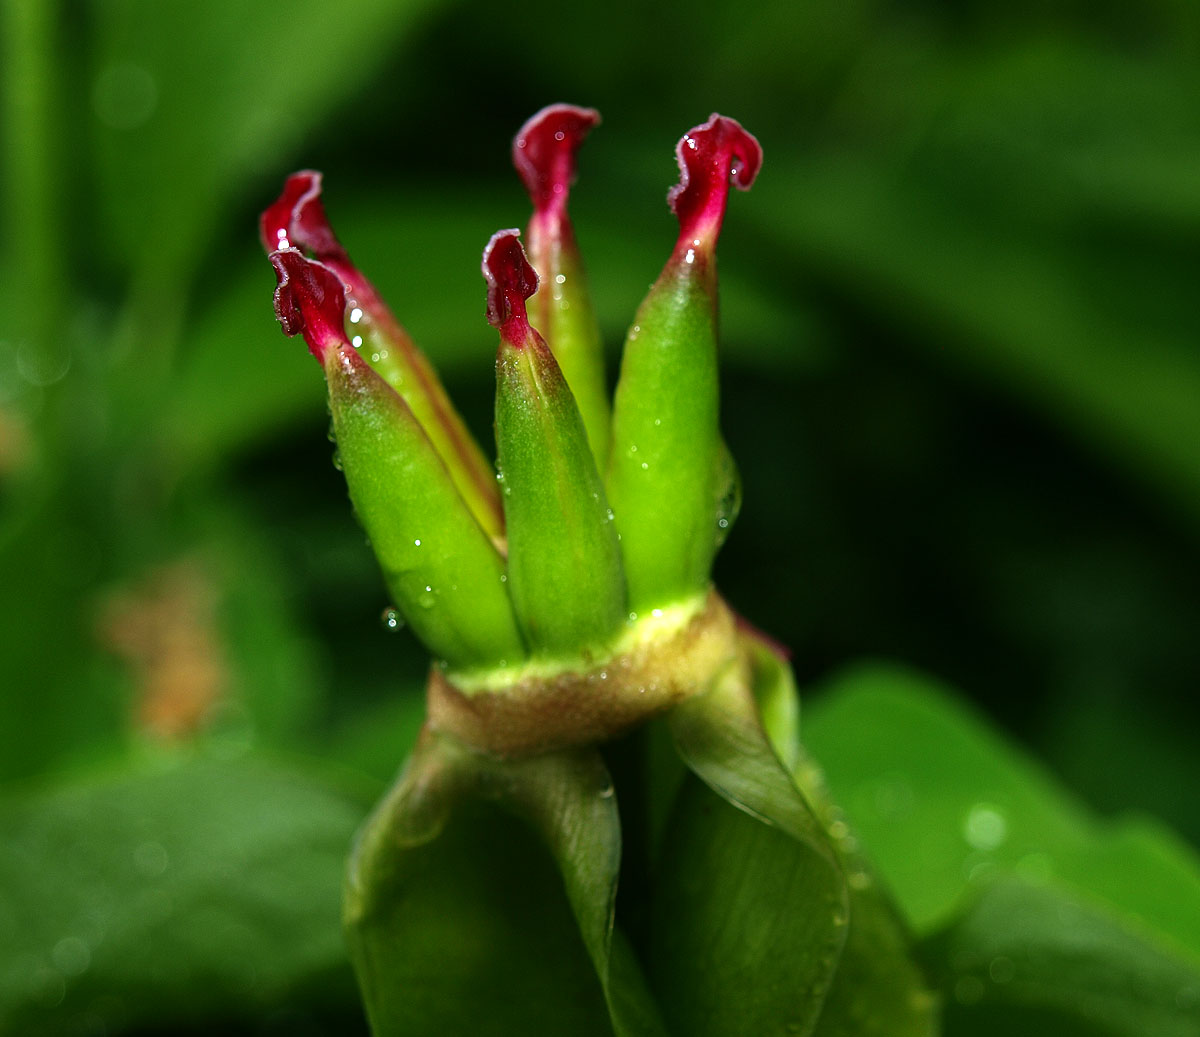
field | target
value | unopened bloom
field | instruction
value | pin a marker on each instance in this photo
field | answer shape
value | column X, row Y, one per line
column 590, row 545
column 566, row 596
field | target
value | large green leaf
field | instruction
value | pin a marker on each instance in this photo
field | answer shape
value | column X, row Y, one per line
column 931, row 791
column 190, row 100
column 1050, row 267
column 942, row 803
column 879, row 990
column 189, row 889
column 1025, row 957
column 58, row 699
column 1103, row 927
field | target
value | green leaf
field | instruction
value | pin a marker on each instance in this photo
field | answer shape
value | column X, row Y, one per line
column 63, row 704
column 1014, row 294
column 440, row 875
column 942, row 804
column 185, row 890
column 180, row 124
column 1031, row 958
column 1092, row 925
column 933, row 794
column 750, row 905
column 275, row 683
column 878, row 990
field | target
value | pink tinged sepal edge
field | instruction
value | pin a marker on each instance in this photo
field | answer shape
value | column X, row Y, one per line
column 510, row 281
column 711, row 156
column 310, row 300
column 544, row 151
column 296, row 219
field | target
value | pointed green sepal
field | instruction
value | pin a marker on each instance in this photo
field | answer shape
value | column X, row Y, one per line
column 564, row 561
column 751, row 904
column 297, row 220
column 442, row 569
column 878, row 990
column 668, row 472
column 561, row 309
column 455, row 916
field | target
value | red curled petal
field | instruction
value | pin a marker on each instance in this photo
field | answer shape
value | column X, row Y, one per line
column 296, row 219
column 711, row 156
column 544, row 151
column 275, row 222
column 510, row 281
column 310, row 300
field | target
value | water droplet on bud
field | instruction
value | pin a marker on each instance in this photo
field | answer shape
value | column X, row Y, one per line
column 391, row 618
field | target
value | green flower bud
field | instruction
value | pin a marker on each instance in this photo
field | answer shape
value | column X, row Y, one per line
column 525, row 589
column 564, row 562
column 297, row 219
column 667, row 476
column 441, row 567
column 561, row 309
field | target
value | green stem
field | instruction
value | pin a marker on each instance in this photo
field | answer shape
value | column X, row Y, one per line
column 31, row 181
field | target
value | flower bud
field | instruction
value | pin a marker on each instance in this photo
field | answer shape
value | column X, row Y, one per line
column 564, row 563
column 561, row 309
column 668, row 473
column 297, row 219
column 442, row 569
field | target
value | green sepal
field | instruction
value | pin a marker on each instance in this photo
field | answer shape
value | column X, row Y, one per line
column 879, row 989
column 388, row 349
column 297, row 221
column 562, row 311
column 544, row 153
column 564, row 562
column 445, row 857
column 665, row 460
column 442, row 569
column 750, row 903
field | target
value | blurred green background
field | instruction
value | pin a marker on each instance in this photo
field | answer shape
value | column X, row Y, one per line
column 962, row 382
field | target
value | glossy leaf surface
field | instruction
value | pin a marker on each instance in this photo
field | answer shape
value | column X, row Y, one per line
column 113, row 900
column 449, row 870
column 879, row 989
column 751, row 905
column 1031, row 906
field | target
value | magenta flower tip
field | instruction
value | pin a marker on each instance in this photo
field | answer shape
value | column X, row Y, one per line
column 296, row 219
column 544, row 152
column 510, row 281
column 711, row 156
column 310, row 300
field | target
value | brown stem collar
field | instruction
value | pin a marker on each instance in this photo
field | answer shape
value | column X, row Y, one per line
column 540, row 714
